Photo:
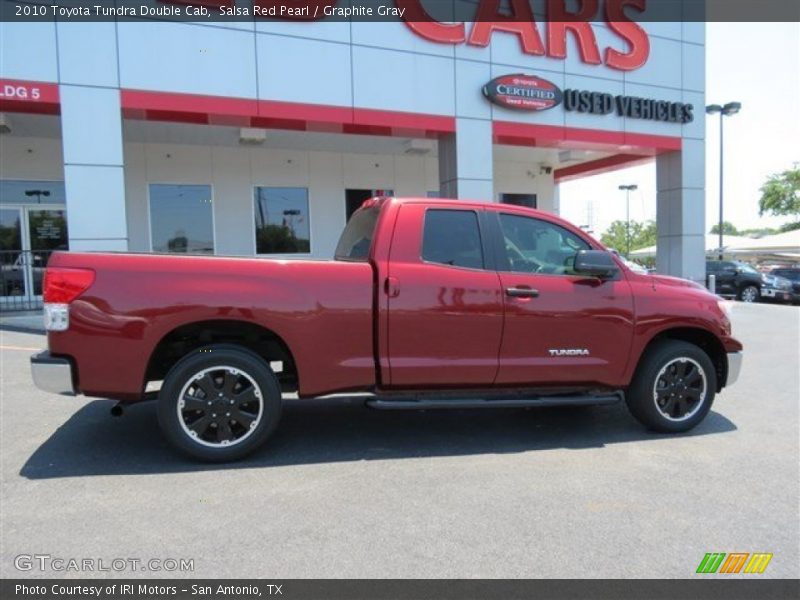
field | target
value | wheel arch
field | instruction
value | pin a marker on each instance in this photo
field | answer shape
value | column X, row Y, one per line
column 703, row 339
column 186, row 337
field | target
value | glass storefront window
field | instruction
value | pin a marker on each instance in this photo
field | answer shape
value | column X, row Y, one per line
column 181, row 219
column 282, row 221
column 32, row 192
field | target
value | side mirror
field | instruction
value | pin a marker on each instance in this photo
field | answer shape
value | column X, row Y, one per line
column 595, row 263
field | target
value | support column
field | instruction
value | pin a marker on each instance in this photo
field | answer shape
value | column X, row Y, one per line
column 557, row 199
column 91, row 124
column 466, row 162
column 680, row 211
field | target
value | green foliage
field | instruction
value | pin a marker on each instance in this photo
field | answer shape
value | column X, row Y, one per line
column 728, row 228
column 10, row 238
column 790, row 226
column 759, row 232
column 780, row 195
column 279, row 239
column 642, row 235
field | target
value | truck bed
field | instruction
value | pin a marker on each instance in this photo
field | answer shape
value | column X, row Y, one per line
column 137, row 300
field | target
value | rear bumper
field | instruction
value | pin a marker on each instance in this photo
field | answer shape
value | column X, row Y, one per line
column 734, row 367
column 52, row 374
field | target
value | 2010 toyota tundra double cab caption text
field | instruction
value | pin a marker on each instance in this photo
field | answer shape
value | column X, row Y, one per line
column 427, row 304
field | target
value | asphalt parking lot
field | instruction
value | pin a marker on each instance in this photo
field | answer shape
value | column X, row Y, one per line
column 343, row 491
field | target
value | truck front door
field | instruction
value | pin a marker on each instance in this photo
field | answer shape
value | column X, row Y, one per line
column 560, row 328
column 445, row 308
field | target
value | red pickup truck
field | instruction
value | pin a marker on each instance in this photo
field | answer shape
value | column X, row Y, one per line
column 427, row 304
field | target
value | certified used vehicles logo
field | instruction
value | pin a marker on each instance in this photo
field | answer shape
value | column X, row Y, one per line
column 523, row 92
column 735, row 562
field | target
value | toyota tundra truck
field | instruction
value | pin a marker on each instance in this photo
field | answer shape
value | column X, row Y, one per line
column 427, row 304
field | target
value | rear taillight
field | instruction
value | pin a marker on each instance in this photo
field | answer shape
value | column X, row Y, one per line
column 62, row 286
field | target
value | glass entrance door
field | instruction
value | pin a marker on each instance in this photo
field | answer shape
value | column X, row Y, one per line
column 28, row 235
column 12, row 276
column 47, row 231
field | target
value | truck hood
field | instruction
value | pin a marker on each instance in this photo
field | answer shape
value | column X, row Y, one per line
column 674, row 281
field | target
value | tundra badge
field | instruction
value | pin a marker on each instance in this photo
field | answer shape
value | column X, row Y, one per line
column 568, row 352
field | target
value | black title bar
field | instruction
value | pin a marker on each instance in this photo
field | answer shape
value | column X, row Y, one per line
column 542, row 11
column 712, row 588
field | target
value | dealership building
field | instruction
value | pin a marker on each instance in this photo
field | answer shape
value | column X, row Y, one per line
column 261, row 137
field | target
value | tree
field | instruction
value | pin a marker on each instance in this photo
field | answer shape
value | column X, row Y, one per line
column 758, row 232
column 642, row 235
column 780, row 195
column 790, row 226
column 728, row 228
column 279, row 239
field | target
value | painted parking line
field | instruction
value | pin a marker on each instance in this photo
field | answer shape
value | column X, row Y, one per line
column 21, row 348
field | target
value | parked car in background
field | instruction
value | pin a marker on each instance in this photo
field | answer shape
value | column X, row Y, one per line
column 734, row 278
column 776, row 288
column 793, row 275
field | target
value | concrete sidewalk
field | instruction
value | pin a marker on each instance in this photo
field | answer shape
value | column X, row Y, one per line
column 30, row 321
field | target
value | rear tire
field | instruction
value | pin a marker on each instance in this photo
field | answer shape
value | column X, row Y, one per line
column 749, row 293
column 673, row 388
column 219, row 403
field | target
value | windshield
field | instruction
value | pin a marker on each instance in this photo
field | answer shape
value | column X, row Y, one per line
column 356, row 239
column 748, row 269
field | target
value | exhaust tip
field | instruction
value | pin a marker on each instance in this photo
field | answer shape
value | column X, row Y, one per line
column 117, row 410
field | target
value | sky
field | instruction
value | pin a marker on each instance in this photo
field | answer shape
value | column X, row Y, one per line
column 757, row 64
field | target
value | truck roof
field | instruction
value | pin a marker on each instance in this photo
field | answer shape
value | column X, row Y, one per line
column 465, row 203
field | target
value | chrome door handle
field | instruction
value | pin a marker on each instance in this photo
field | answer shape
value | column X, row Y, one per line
column 516, row 292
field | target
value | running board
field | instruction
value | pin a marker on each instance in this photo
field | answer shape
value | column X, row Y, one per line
column 544, row 401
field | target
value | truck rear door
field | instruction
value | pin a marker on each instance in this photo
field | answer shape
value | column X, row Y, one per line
column 444, row 302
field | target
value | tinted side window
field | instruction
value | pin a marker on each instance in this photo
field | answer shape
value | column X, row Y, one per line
column 536, row 246
column 452, row 237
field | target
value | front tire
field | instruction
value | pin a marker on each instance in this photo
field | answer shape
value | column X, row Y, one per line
column 673, row 388
column 749, row 293
column 219, row 403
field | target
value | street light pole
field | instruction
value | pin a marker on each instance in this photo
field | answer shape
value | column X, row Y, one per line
column 628, row 189
column 38, row 194
column 731, row 108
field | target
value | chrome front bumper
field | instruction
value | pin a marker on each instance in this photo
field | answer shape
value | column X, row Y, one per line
column 734, row 367
column 52, row 374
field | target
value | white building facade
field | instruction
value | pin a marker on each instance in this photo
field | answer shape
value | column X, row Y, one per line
column 261, row 137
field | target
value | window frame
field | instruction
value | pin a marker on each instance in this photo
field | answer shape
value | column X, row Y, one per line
column 150, row 217
column 503, row 265
column 310, row 252
column 484, row 235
